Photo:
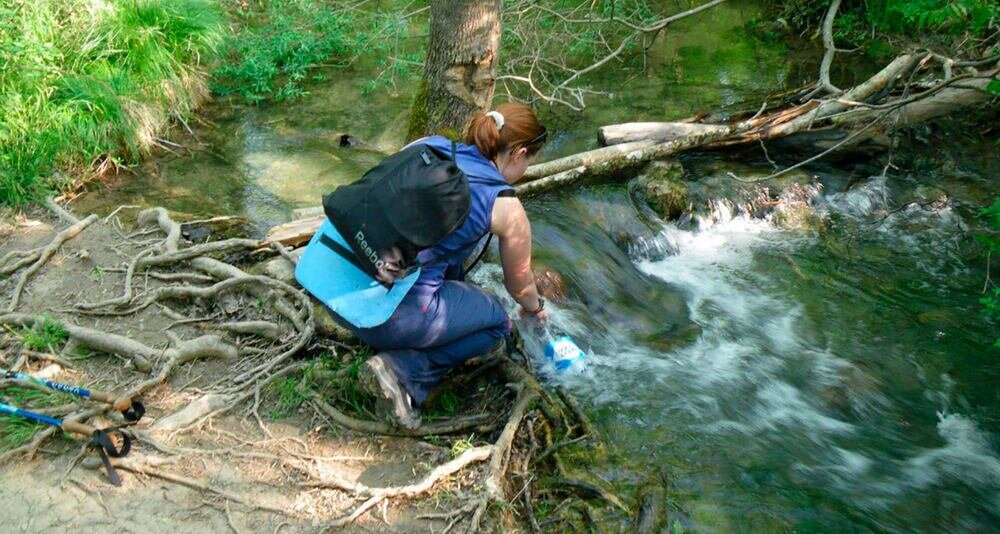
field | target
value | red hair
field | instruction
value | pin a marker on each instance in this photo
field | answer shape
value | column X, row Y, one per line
column 520, row 129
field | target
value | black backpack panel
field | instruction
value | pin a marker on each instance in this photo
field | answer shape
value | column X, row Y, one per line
column 406, row 203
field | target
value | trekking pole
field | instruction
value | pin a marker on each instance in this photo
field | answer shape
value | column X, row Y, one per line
column 132, row 410
column 100, row 439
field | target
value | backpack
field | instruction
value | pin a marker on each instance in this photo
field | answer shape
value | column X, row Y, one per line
column 406, row 203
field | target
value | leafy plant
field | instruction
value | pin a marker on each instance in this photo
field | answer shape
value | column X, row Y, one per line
column 858, row 21
column 279, row 44
column 290, row 397
column 461, row 446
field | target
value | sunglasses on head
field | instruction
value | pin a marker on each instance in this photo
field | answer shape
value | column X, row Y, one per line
column 539, row 139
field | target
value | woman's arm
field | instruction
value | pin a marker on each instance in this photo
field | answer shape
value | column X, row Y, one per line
column 510, row 224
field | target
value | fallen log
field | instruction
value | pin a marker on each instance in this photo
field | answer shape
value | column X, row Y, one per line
column 844, row 115
column 660, row 132
column 852, row 117
column 295, row 233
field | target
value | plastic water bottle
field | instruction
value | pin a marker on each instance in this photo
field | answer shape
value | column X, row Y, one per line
column 563, row 352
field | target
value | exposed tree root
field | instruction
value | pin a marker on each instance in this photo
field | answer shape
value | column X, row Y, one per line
column 259, row 323
column 458, row 425
column 131, row 464
column 376, row 495
column 138, row 353
column 169, row 227
column 44, row 254
column 501, row 449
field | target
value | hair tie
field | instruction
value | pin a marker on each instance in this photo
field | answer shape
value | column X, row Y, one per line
column 497, row 118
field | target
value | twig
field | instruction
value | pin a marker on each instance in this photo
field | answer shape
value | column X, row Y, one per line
column 986, row 284
column 498, row 465
column 814, row 158
column 61, row 212
column 831, row 50
column 119, row 208
column 284, row 253
column 578, row 413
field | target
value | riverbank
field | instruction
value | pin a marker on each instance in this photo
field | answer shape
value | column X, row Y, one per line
column 87, row 88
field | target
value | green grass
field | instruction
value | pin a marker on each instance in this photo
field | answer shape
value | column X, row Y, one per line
column 88, row 84
column 16, row 431
column 46, row 334
column 334, row 378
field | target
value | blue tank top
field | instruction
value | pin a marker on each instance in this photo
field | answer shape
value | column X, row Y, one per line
column 485, row 183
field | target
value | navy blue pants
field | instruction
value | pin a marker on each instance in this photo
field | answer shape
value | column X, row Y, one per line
column 428, row 335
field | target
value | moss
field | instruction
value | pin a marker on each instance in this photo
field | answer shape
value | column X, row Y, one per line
column 797, row 216
column 419, row 117
column 661, row 184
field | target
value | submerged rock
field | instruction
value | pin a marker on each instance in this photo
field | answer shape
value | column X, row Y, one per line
column 662, row 186
column 794, row 210
column 726, row 189
column 586, row 238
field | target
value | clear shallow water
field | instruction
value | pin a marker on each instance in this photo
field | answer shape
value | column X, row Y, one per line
column 780, row 381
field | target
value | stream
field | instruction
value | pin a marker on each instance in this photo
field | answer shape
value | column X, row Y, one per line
column 777, row 378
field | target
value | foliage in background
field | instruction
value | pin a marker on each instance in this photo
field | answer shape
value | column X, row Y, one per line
column 991, row 301
column 281, row 44
column 551, row 42
column 866, row 22
column 85, row 82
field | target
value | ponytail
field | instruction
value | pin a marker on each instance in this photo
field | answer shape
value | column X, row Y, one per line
column 483, row 132
column 518, row 127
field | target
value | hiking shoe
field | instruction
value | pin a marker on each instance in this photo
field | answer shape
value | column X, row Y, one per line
column 392, row 401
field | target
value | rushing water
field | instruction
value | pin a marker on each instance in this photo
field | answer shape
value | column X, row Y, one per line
column 830, row 380
column 833, row 386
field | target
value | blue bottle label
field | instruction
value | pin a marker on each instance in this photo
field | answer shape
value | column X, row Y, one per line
column 563, row 352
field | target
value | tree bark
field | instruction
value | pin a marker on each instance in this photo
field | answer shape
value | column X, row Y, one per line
column 460, row 70
column 660, row 132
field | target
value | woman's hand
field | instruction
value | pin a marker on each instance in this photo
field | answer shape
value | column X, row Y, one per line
column 541, row 315
column 538, row 313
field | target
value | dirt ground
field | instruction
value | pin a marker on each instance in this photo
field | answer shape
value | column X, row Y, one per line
column 250, row 474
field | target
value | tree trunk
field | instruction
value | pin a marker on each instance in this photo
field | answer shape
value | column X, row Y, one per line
column 460, row 70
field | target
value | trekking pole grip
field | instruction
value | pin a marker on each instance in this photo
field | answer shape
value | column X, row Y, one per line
column 121, row 403
column 78, row 428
